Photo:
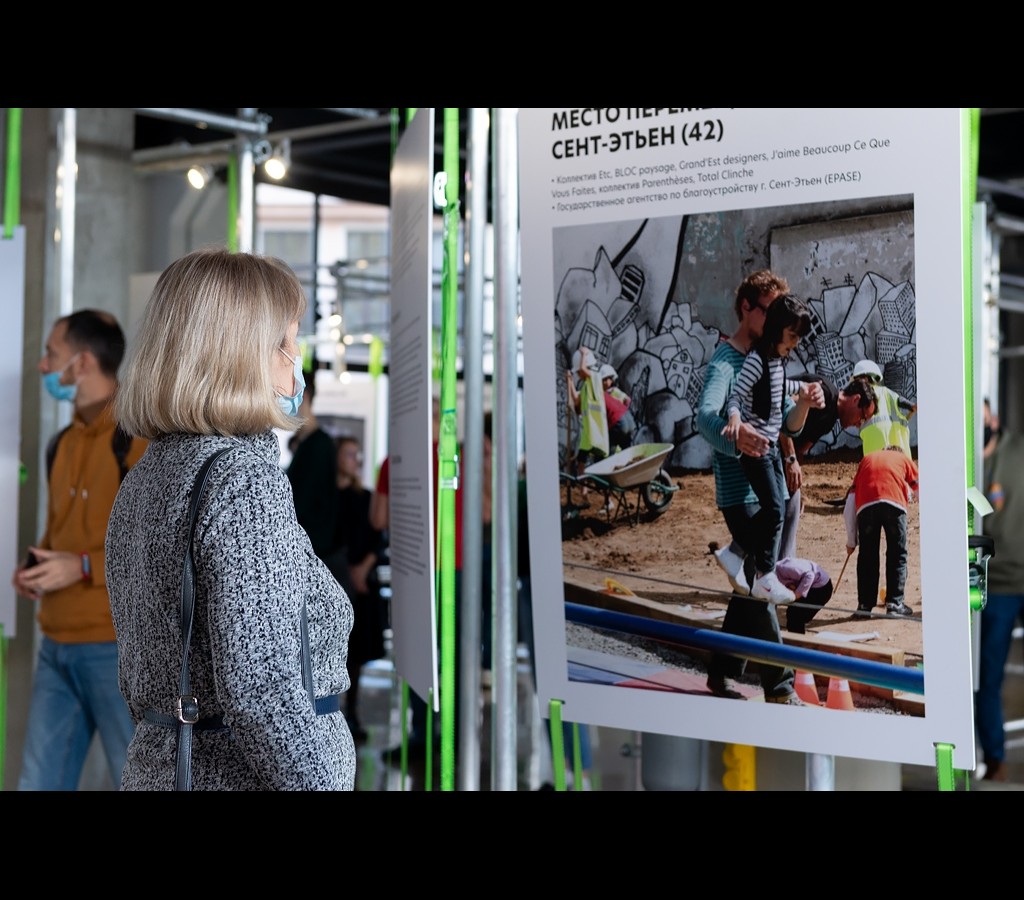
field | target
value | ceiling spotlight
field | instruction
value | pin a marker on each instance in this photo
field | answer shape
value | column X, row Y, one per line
column 199, row 176
column 277, row 164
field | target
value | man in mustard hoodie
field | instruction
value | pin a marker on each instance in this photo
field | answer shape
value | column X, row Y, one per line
column 75, row 690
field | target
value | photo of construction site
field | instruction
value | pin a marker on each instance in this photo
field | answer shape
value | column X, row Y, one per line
column 643, row 531
column 755, row 490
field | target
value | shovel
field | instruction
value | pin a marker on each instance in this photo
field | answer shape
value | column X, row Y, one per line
column 840, row 578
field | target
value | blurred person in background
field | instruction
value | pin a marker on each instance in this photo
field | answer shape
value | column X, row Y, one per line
column 312, row 473
column 75, row 691
column 357, row 549
column 1004, row 487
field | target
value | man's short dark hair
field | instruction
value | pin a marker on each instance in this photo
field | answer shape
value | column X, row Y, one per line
column 98, row 332
column 863, row 391
column 755, row 285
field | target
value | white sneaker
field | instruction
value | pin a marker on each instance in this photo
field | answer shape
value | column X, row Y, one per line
column 768, row 587
column 732, row 565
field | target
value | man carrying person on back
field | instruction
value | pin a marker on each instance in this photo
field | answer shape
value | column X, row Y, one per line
column 745, row 615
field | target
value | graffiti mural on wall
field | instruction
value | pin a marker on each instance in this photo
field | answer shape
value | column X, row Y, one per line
column 656, row 297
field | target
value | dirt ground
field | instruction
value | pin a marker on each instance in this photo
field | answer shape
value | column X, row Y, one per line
column 668, row 558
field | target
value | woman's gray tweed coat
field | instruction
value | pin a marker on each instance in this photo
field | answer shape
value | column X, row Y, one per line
column 254, row 567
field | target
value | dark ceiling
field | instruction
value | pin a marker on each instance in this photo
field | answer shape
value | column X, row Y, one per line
column 1001, row 160
column 335, row 152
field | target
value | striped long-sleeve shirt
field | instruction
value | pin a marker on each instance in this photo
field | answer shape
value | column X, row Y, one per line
column 731, row 485
column 742, row 397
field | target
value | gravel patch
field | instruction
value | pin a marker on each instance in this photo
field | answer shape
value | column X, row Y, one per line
column 647, row 650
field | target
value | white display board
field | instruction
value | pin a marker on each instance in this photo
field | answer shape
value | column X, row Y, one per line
column 12, row 302
column 637, row 225
column 411, row 488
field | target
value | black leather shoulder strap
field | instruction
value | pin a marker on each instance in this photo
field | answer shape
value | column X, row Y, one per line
column 188, row 705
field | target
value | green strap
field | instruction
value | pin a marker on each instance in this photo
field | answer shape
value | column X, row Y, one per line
column 233, row 204
column 394, row 133
column 557, row 748
column 948, row 776
column 577, row 757
column 12, row 177
column 376, row 369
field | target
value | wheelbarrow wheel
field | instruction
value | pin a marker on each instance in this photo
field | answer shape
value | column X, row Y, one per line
column 658, row 493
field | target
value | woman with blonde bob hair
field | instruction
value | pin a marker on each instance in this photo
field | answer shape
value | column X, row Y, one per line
column 215, row 366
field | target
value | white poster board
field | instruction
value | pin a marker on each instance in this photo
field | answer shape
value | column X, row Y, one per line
column 12, row 302
column 411, row 488
column 637, row 226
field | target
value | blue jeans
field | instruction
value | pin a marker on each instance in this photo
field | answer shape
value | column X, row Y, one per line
column 872, row 521
column 998, row 618
column 75, row 693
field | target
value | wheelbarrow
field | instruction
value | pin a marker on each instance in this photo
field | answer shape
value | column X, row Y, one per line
column 636, row 467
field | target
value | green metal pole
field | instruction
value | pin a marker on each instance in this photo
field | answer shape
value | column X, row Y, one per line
column 12, row 209
column 970, row 134
column 12, row 177
column 557, row 744
column 448, row 446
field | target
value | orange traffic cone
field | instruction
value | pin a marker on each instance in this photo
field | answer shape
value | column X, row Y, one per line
column 839, row 696
column 805, row 688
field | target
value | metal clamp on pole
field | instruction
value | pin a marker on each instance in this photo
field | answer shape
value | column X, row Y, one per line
column 980, row 549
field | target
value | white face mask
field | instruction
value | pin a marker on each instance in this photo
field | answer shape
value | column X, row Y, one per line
column 290, row 405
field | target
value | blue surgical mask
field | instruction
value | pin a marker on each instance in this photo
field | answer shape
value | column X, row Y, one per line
column 290, row 405
column 51, row 381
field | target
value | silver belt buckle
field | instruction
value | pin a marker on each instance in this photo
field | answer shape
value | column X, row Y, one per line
column 187, row 710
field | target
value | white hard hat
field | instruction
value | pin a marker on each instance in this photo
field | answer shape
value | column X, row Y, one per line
column 607, row 371
column 870, row 369
column 582, row 357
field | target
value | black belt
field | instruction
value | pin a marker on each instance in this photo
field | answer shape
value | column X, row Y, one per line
column 324, row 706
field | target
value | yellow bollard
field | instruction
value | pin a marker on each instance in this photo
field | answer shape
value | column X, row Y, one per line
column 740, row 768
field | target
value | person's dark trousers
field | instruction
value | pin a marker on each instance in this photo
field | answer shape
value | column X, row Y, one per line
column 800, row 613
column 872, row 522
column 768, row 480
column 999, row 617
column 418, row 724
column 750, row 617
column 621, row 434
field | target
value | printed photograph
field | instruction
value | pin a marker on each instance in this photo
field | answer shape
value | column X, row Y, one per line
column 736, row 398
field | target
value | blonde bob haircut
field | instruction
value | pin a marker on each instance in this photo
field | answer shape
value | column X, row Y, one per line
column 202, row 359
